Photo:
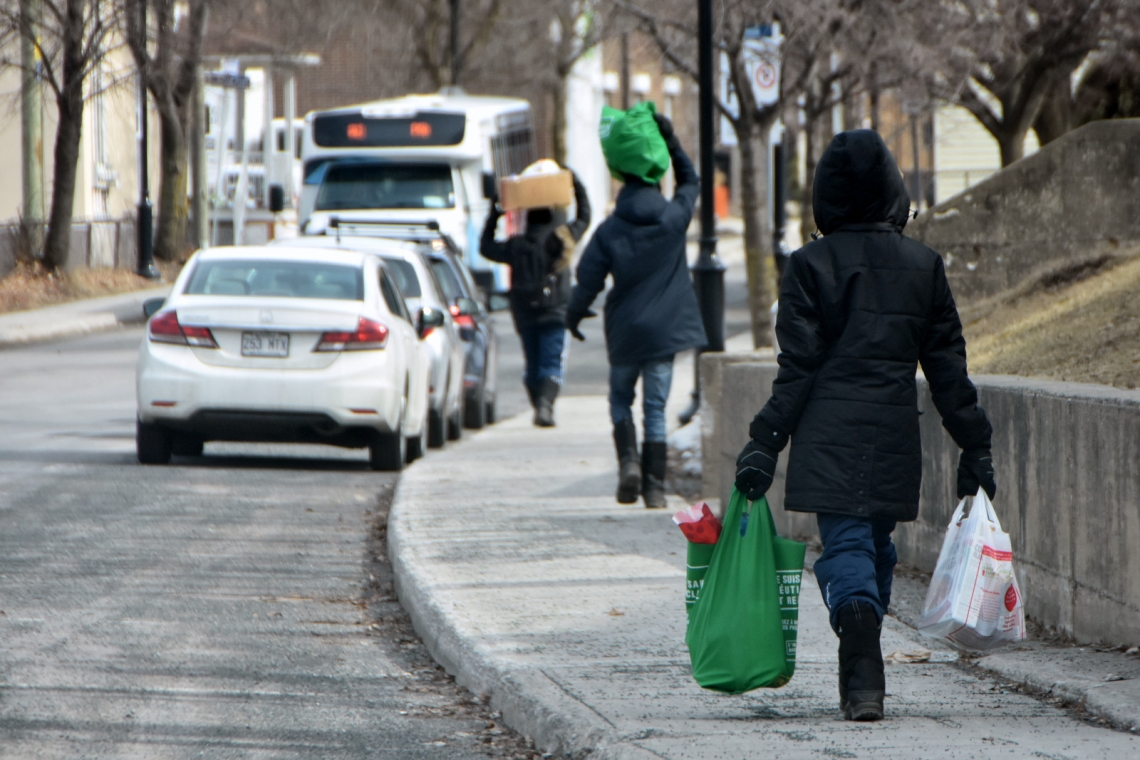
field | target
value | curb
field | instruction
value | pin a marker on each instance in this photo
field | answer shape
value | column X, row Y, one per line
column 71, row 319
column 531, row 702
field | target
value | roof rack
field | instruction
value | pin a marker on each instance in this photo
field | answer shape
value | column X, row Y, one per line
column 418, row 231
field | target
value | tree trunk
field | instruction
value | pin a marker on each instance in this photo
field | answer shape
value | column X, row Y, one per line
column 753, row 141
column 173, row 211
column 1056, row 115
column 558, row 120
column 807, row 213
column 57, row 247
column 1012, row 144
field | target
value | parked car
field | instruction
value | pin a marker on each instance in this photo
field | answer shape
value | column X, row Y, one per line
column 476, row 328
column 272, row 343
column 412, row 274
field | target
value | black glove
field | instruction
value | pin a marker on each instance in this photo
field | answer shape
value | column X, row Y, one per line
column 755, row 468
column 664, row 125
column 976, row 470
column 572, row 320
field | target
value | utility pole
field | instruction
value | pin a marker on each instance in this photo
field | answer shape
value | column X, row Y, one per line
column 31, row 123
column 625, row 71
column 708, row 272
column 455, row 62
column 198, row 178
column 145, row 222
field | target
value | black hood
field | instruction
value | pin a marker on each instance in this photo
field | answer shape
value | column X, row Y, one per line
column 858, row 182
column 640, row 204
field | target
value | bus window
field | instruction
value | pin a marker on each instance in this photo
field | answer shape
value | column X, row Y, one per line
column 360, row 186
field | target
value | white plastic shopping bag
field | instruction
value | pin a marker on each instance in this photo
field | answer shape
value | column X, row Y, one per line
column 974, row 600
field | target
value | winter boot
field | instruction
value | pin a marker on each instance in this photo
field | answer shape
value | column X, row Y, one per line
column 862, row 683
column 544, row 402
column 653, row 474
column 629, row 470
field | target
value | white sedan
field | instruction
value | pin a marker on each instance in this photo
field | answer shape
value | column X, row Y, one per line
column 288, row 345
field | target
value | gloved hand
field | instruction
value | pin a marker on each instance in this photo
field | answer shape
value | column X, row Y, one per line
column 572, row 320
column 664, row 125
column 976, row 470
column 755, row 468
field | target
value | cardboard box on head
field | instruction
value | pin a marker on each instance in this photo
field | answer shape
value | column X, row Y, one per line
column 543, row 184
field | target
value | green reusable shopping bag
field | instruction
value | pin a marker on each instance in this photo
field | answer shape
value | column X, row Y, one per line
column 743, row 626
column 632, row 143
column 696, row 566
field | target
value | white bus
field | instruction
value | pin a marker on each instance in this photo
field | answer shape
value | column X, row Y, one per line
column 419, row 158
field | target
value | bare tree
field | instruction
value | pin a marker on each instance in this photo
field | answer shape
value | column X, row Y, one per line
column 442, row 59
column 1001, row 58
column 168, row 53
column 73, row 37
column 576, row 27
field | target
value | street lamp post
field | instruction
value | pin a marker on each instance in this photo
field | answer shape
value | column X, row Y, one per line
column 708, row 272
column 145, row 222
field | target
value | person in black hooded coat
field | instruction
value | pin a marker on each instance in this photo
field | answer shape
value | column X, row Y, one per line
column 651, row 312
column 859, row 310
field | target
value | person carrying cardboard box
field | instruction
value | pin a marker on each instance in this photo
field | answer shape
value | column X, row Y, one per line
column 539, row 259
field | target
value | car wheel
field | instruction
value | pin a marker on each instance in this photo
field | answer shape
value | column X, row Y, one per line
column 491, row 415
column 455, row 421
column 415, row 444
column 475, row 410
column 437, row 429
column 152, row 443
column 388, row 451
column 186, row 446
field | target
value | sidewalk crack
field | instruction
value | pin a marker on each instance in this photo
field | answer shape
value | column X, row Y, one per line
column 577, row 698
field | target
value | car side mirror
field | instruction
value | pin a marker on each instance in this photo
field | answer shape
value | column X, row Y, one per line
column 276, row 199
column 498, row 302
column 152, row 305
column 429, row 319
column 467, row 306
column 490, row 186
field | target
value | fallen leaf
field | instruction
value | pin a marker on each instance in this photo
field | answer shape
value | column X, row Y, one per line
column 615, row 612
column 909, row 656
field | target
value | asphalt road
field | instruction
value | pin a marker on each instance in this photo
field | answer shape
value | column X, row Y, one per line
column 233, row 606
column 236, row 605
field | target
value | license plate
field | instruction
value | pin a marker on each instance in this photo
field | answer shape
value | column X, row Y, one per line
column 275, row 344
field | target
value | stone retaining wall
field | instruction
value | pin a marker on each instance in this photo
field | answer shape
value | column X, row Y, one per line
column 1067, row 457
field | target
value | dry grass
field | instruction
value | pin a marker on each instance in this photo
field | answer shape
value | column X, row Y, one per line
column 1082, row 328
column 30, row 286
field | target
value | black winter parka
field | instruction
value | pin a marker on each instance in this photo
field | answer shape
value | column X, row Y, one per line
column 859, row 310
column 651, row 311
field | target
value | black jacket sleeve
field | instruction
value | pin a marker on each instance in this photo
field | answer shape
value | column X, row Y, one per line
column 489, row 248
column 688, row 182
column 803, row 348
column 943, row 359
column 581, row 222
column 592, row 270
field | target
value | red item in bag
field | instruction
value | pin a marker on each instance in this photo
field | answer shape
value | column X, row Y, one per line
column 699, row 524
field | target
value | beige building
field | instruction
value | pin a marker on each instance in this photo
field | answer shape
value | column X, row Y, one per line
column 106, row 191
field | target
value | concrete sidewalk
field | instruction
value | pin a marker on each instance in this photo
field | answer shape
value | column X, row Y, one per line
column 75, row 318
column 530, row 584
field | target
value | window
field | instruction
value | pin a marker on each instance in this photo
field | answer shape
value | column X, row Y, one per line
column 404, row 275
column 287, row 279
column 354, row 130
column 393, row 298
column 381, row 186
column 448, row 282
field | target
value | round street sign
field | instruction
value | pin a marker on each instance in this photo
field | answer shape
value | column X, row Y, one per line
column 765, row 75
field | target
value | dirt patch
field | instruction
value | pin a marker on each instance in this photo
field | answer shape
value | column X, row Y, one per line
column 30, row 286
column 1081, row 325
column 394, row 629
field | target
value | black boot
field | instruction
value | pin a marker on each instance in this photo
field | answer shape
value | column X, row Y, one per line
column 653, row 474
column 629, row 469
column 544, row 402
column 862, row 682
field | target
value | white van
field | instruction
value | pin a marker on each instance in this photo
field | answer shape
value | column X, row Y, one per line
column 419, row 158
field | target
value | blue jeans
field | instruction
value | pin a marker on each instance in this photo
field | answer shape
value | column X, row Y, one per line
column 656, row 377
column 544, row 347
column 857, row 563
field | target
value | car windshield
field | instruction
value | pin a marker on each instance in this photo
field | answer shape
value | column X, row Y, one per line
column 380, row 186
column 404, row 275
column 291, row 279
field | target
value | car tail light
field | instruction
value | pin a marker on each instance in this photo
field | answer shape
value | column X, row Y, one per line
column 461, row 320
column 368, row 336
column 165, row 328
